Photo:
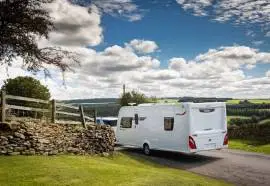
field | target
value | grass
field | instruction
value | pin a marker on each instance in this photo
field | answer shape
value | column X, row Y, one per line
column 249, row 145
column 118, row 170
column 258, row 101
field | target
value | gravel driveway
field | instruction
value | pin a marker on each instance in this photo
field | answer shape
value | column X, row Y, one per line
column 237, row 167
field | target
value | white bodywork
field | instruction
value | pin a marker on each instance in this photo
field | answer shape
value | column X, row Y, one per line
column 205, row 123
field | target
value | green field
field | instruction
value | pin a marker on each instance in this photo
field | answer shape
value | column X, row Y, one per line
column 258, row 101
column 118, row 170
column 249, row 145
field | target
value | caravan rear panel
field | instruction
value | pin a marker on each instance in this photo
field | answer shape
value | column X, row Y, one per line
column 208, row 126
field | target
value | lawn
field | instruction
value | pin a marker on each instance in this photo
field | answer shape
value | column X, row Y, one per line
column 120, row 169
column 249, row 145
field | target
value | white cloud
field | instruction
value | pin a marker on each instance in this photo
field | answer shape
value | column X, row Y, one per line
column 267, row 73
column 143, row 46
column 197, row 6
column 218, row 72
column 123, row 8
column 236, row 11
column 116, row 59
column 267, row 34
column 74, row 25
column 257, row 43
column 250, row 33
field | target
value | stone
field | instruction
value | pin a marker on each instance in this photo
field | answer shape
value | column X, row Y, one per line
column 54, row 152
column 3, row 138
column 35, row 138
column 44, row 141
column 32, row 153
column 14, row 153
column 73, row 150
column 19, row 135
column 105, row 154
column 27, row 144
column 3, row 152
column 18, row 149
column 4, row 143
column 10, row 137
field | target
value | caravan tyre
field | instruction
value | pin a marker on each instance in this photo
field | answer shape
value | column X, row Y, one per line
column 146, row 149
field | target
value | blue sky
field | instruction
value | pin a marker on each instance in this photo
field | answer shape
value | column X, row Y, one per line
column 180, row 33
column 160, row 48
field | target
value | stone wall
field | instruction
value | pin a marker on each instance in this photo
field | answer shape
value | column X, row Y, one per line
column 259, row 132
column 35, row 138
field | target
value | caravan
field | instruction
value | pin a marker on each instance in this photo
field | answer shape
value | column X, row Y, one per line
column 186, row 127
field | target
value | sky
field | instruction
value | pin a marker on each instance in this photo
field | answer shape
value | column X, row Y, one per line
column 162, row 48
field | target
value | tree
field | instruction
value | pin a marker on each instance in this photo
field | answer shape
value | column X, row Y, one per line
column 22, row 22
column 134, row 97
column 26, row 87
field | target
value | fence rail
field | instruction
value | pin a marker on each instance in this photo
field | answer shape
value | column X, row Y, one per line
column 26, row 108
column 27, row 99
column 67, row 106
column 52, row 108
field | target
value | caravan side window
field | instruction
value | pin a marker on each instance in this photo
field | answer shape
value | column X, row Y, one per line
column 168, row 123
column 126, row 122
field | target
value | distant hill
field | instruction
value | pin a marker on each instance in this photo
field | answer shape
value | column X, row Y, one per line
column 110, row 106
column 103, row 106
column 203, row 99
column 95, row 100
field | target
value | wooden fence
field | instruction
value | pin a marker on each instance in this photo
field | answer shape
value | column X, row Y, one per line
column 53, row 107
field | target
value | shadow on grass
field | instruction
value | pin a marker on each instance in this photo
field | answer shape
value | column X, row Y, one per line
column 171, row 159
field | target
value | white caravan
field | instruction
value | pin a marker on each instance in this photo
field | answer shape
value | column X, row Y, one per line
column 185, row 127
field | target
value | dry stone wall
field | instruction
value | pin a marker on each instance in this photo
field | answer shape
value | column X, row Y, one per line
column 260, row 132
column 34, row 138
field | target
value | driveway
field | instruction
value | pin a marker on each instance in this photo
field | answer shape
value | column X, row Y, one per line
column 237, row 167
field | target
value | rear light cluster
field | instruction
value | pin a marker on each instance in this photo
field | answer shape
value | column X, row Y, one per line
column 191, row 143
column 226, row 139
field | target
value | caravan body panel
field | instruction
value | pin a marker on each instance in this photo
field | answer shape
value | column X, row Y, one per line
column 170, row 126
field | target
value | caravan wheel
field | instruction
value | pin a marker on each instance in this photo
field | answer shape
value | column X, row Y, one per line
column 146, row 149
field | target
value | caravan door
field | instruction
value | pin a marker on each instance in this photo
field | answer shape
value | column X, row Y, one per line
column 125, row 127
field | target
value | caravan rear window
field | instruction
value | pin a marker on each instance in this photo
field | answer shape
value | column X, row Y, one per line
column 168, row 123
column 126, row 122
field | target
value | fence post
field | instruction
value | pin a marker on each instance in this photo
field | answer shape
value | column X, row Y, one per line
column 3, row 106
column 82, row 115
column 95, row 116
column 53, row 111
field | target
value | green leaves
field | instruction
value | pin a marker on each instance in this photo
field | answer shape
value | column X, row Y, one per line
column 135, row 97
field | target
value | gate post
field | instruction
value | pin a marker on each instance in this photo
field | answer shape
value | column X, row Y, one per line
column 82, row 115
column 53, row 111
column 3, row 106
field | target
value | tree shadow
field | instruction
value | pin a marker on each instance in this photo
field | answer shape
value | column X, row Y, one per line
column 171, row 159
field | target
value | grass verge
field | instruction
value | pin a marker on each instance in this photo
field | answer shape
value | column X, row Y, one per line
column 249, row 145
column 118, row 170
